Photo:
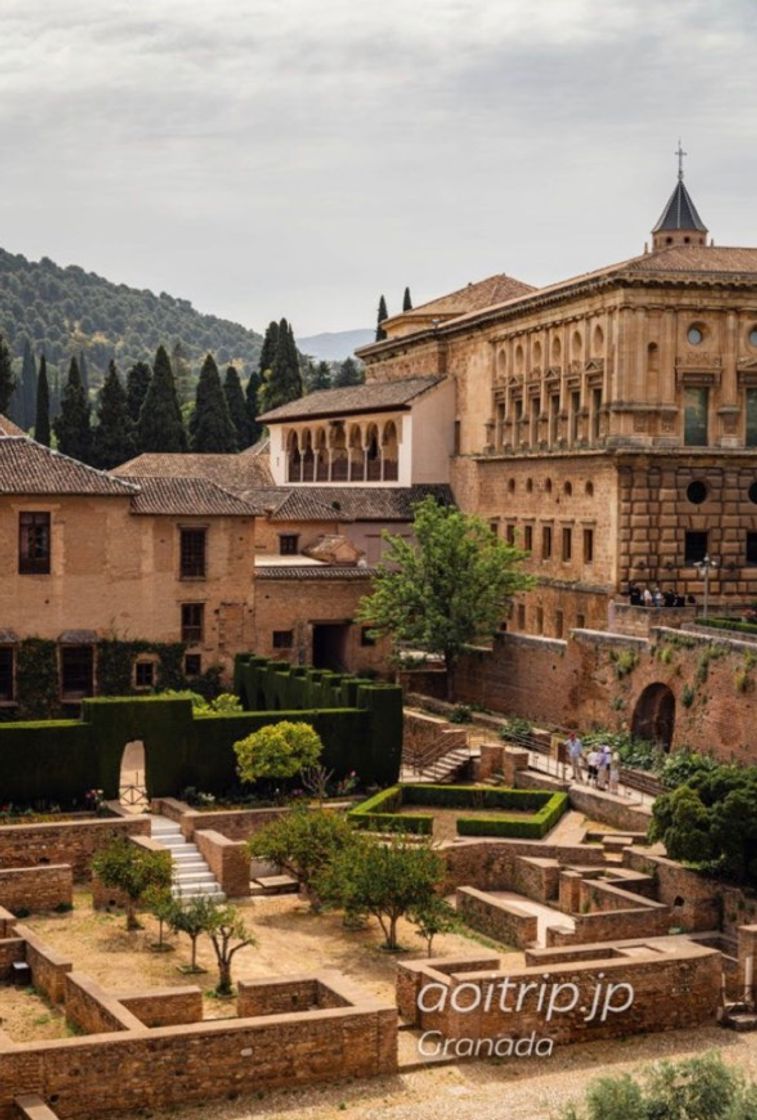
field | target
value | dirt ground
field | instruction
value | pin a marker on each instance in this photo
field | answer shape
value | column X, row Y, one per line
column 26, row 1016
column 291, row 939
column 445, row 820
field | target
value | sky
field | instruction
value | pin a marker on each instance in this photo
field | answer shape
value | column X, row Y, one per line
column 297, row 158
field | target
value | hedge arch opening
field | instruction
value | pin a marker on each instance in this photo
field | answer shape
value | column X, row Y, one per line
column 132, row 782
column 654, row 715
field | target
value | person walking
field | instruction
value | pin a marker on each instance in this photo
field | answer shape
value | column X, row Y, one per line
column 603, row 769
column 614, row 772
column 593, row 764
column 575, row 754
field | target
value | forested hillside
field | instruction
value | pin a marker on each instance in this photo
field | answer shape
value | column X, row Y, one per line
column 63, row 311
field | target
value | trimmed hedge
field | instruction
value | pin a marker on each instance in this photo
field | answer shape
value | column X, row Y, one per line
column 379, row 813
column 734, row 624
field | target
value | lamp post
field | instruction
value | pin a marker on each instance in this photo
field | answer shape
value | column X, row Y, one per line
column 704, row 567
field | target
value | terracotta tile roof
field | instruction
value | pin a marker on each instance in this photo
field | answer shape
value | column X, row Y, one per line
column 347, row 503
column 8, row 428
column 698, row 259
column 315, row 571
column 473, row 297
column 27, row 467
column 357, row 398
column 247, row 470
column 186, row 497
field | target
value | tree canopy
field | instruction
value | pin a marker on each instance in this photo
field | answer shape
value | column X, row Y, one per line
column 113, row 440
column 237, row 406
column 280, row 750
column 211, row 428
column 348, row 373
column 381, row 315
column 42, row 414
column 72, row 426
column 450, row 586
column 282, row 381
column 160, row 426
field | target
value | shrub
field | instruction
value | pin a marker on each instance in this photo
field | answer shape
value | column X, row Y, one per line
column 432, row 917
column 461, row 713
column 280, row 750
column 303, row 842
column 688, row 695
column 133, row 871
column 516, row 727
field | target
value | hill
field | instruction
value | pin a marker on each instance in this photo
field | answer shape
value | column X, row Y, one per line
column 66, row 310
column 335, row 346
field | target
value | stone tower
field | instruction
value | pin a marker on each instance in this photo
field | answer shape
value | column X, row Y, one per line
column 679, row 223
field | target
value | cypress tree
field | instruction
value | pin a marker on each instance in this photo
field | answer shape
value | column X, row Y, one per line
column 349, row 373
column 283, row 382
column 84, row 372
column 137, row 384
column 7, row 380
column 382, row 314
column 270, row 343
column 237, row 406
column 160, row 427
column 113, row 440
column 73, row 425
column 252, row 396
column 407, row 303
column 55, row 395
column 211, row 428
column 28, row 386
column 42, row 415
column 182, row 372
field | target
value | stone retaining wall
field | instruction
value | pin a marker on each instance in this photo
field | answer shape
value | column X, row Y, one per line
column 498, row 918
column 71, row 842
column 45, row 887
column 229, row 860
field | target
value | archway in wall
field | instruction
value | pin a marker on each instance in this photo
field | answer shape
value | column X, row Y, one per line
column 654, row 715
column 132, row 783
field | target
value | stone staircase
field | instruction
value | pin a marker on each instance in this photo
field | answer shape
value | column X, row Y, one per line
column 192, row 877
column 739, row 1017
column 442, row 770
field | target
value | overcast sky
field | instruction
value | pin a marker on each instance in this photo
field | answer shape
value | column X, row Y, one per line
column 298, row 158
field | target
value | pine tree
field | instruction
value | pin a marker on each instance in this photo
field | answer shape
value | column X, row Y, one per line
column 182, row 372
column 252, row 397
column 160, row 426
column 28, row 386
column 73, row 425
column 270, row 343
column 382, row 315
column 42, row 414
column 137, row 384
column 407, row 303
column 283, row 382
column 114, row 438
column 349, row 373
column 318, row 377
column 211, row 428
column 237, row 406
column 7, row 380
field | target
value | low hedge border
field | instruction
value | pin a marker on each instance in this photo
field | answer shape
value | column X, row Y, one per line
column 378, row 813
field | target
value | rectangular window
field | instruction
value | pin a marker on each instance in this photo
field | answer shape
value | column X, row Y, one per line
column 554, row 418
column 192, row 665
column 192, row 623
column 144, row 674
column 596, row 407
column 456, row 437
column 534, row 421
column 695, row 408
column 494, row 526
column 282, row 639
column 193, row 548
column 751, row 549
column 751, row 417
column 580, row 621
column 588, row 546
column 288, row 544
column 567, row 544
column 546, row 542
column 6, row 674
column 366, row 638
column 558, row 624
column 521, row 616
column 34, row 544
column 539, row 620
column 510, row 533
column 528, row 538
column 77, row 664
column 575, row 407
column 695, row 548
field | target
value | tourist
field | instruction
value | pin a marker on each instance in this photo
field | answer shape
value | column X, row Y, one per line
column 593, row 766
column 575, row 753
column 669, row 598
column 634, row 595
column 647, row 598
column 657, row 597
column 614, row 772
column 603, row 767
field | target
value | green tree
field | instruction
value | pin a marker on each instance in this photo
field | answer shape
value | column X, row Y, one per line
column 252, row 398
column 695, row 1089
column 42, row 416
column 319, row 377
column 237, row 406
column 349, row 373
column 270, row 345
column 283, row 381
column 211, row 428
column 160, row 903
column 84, row 373
column 407, row 303
column 160, row 426
column 303, row 842
column 228, row 934
column 7, row 380
column 191, row 916
column 28, row 386
column 432, row 917
column 182, row 372
column 450, row 586
column 72, row 427
column 114, row 438
column 280, row 750
column 137, row 384
column 380, row 317
column 385, row 879
column 124, row 867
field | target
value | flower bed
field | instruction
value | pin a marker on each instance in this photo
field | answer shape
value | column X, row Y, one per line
column 537, row 811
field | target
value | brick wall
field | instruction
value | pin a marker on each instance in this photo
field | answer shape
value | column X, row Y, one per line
column 234, row 824
column 162, row 1007
column 92, row 1010
column 498, row 918
column 229, row 860
column 614, row 925
column 11, row 952
column 71, row 842
column 36, row 888
column 426, row 738
column 49, row 969
column 536, row 878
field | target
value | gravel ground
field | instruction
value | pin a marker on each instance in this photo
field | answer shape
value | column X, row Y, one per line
column 519, row 1089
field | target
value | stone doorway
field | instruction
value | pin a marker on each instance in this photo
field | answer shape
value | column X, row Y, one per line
column 330, row 645
column 132, row 784
column 654, row 715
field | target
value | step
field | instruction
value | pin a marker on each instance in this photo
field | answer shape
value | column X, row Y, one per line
column 213, row 892
column 188, row 852
column 194, row 876
column 740, row 1021
column 277, row 884
column 189, row 865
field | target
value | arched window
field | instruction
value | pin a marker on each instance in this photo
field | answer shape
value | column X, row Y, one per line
column 537, row 354
column 294, row 460
column 390, row 447
column 356, row 455
column 321, row 456
column 598, row 341
column 502, row 362
column 556, row 351
column 372, row 454
column 339, row 461
column 576, row 346
column 519, row 361
column 653, row 357
column 308, row 458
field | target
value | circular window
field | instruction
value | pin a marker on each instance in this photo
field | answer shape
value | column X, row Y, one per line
column 695, row 335
column 753, row 337
column 696, row 492
column 529, row 485
column 590, row 489
column 511, row 485
column 568, row 488
column 753, row 493
column 548, row 485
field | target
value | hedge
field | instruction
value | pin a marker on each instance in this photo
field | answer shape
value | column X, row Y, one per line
column 734, row 624
column 378, row 813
